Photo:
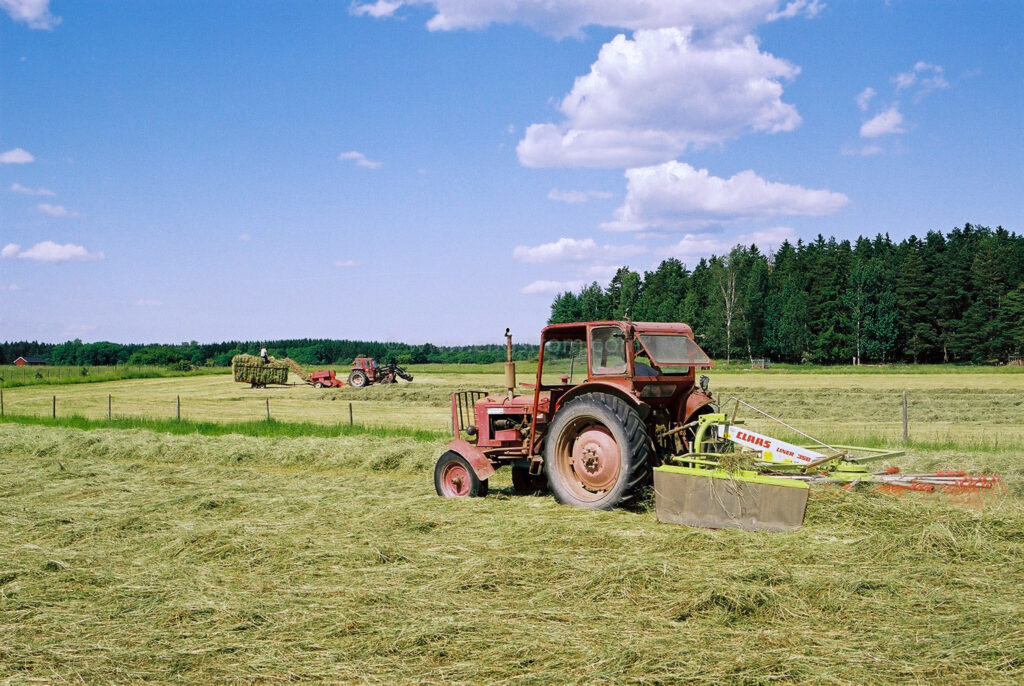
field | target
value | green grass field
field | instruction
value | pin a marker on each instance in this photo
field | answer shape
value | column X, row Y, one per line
column 49, row 375
column 133, row 553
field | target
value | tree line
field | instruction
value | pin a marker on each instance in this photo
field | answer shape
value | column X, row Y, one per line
column 304, row 351
column 956, row 297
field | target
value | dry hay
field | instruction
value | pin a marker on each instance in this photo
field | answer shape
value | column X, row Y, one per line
column 252, row 369
column 134, row 556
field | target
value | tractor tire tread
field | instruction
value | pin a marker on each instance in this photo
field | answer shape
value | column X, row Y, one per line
column 639, row 443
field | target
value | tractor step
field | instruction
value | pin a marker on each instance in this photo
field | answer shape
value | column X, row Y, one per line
column 720, row 499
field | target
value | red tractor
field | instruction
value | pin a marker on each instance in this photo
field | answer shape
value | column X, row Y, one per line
column 592, row 442
column 366, row 371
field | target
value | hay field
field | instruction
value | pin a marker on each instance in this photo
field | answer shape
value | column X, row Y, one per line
column 140, row 556
column 132, row 556
column 946, row 410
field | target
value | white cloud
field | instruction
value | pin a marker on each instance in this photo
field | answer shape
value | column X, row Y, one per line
column 546, row 287
column 570, row 17
column 864, row 98
column 922, row 79
column 11, row 287
column 601, row 272
column 568, row 196
column 25, row 190
column 35, row 13
column 378, row 10
column 345, row 263
column 48, row 251
column 675, row 195
column 244, row 237
column 148, row 302
column 862, row 150
column 766, row 239
column 649, row 98
column 55, row 210
column 807, row 8
column 360, row 159
column 694, row 246
column 576, row 196
column 887, row 122
column 927, row 78
column 574, row 250
column 17, row 155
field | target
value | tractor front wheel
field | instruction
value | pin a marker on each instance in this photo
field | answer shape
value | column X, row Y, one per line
column 318, row 385
column 597, row 453
column 455, row 478
column 357, row 378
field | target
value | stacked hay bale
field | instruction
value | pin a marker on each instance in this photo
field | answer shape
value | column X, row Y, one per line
column 252, row 369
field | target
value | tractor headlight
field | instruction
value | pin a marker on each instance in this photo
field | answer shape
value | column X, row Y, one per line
column 658, row 390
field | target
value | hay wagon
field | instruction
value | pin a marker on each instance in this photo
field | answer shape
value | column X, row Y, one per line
column 252, row 369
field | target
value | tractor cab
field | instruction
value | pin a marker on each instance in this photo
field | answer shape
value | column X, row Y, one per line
column 652, row 364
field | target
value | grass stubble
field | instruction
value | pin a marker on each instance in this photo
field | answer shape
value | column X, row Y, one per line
column 132, row 555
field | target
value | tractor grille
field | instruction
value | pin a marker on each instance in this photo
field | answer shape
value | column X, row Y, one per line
column 462, row 409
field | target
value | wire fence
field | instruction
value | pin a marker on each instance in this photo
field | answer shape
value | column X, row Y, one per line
column 260, row 409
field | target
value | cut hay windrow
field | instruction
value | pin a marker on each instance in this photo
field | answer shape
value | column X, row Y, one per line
column 252, row 369
column 133, row 556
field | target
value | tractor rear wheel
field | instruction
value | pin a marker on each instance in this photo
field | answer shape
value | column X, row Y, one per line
column 357, row 378
column 525, row 483
column 318, row 385
column 455, row 478
column 597, row 453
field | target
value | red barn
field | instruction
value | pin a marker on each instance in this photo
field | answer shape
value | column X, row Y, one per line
column 32, row 361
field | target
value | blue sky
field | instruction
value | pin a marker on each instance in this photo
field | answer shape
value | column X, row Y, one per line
column 435, row 170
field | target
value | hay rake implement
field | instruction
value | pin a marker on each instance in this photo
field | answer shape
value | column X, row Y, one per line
column 735, row 477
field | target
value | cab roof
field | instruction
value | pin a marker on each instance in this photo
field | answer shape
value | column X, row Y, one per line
column 578, row 329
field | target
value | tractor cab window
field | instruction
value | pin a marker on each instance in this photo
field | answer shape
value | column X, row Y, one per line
column 672, row 353
column 642, row 363
column 607, row 350
column 564, row 359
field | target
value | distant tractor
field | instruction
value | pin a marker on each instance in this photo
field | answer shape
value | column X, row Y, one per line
column 594, row 441
column 366, row 371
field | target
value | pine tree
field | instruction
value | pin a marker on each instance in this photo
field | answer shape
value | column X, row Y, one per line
column 623, row 293
column 663, row 292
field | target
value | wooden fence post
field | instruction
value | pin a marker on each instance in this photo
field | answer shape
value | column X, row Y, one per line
column 108, row 407
column 54, row 407
column 268, row 409
column 179, row 408
column 350, row 420
column 906, row 426
column 1, row 401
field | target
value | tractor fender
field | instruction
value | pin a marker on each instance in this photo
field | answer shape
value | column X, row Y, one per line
column 474, row 456
column 608, row 388
column 697, row 400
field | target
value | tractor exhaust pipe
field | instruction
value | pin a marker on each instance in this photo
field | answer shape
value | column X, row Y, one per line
column 510, row 366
